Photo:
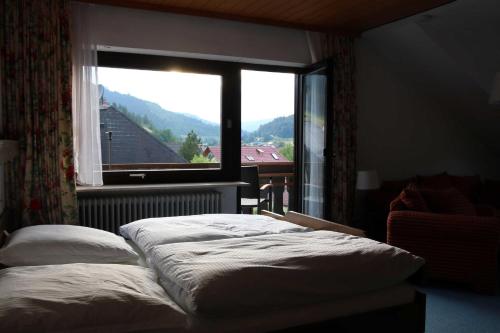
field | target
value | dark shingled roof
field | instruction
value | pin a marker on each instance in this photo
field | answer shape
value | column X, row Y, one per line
column 131, row 143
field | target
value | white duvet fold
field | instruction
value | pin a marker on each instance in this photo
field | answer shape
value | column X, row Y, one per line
column 196, row 228
column 85, row 298
column 242, row 275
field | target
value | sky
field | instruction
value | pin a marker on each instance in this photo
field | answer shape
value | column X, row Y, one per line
column 265, row 95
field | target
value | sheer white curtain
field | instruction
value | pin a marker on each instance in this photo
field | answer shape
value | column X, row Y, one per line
column 86, row 123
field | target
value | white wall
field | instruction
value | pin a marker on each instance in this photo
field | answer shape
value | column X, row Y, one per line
column 423, row 90
column 198, row 36
column 403, row 132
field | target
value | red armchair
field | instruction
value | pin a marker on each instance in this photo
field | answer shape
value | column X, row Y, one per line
column 456, row 248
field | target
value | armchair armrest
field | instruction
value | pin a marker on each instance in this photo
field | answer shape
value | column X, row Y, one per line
column 485, row 210
column 432, row 225
column 456, row 247
column 266, row 186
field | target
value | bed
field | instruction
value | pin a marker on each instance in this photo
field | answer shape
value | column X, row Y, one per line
column 209, row 273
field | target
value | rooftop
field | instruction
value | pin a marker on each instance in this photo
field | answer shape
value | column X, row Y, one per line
column 250, row 154
column 131, row 143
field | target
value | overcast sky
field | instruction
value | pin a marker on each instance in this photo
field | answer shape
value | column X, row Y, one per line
column 265, row 95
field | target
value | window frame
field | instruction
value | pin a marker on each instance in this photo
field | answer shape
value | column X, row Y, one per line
column 230, row 115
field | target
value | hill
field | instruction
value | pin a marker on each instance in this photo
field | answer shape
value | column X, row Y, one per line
column 253, row 125
column 180, row 124
column 281, row 127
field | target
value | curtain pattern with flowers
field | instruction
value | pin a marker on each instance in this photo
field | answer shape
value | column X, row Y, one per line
column 36, row 109
column 344, row 130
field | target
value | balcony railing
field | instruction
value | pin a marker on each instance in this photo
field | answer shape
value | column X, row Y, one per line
column 280, row 174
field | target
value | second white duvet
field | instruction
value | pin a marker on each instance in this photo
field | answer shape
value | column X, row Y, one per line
column 242, row 275
column 198, row 228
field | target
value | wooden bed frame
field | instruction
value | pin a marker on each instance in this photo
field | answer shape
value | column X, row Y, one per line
column 408, row 318
column 314, row 223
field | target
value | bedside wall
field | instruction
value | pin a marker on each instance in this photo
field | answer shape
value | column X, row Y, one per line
column 402, row 131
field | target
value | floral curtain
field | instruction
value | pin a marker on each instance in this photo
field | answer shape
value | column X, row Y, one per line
column 36, row 109
column 341, row 49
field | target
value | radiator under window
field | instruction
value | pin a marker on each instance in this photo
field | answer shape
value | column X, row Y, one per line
column 110, row 211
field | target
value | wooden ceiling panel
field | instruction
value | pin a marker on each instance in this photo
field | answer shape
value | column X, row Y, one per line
column 298, row 13
column 325, row 15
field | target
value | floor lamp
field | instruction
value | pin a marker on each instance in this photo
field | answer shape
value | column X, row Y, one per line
column 366, row 181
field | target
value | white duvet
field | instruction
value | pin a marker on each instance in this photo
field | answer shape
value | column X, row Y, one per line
column 85, row 298
column 242, row 275
column 148, row 233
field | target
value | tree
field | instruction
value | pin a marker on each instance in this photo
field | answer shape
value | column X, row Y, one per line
column 190, row 146
column 287, row 151
column 166, row 135
column 199, row 158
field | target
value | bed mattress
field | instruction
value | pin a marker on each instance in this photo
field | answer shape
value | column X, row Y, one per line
column 286, row 317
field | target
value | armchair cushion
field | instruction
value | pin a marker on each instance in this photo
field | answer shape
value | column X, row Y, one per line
column 448, row 201
column 413, row 199
column 397, row 204
column 469, row 186
column 485, row 210
column 490, row 193
column 395, row 185
column 439, row 181
column 409, row 199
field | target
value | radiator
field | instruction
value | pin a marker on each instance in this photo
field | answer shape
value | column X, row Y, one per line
column 111, row 211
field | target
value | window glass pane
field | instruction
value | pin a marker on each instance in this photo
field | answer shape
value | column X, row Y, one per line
column 313, row 164
column 159, row 120
column 267, row 130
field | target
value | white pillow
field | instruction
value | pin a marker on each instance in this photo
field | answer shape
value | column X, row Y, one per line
column 65, row 244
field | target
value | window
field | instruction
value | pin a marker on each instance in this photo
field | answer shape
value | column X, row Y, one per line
column 267, row 114
column 159, row 119
column 167, row 119
column 268, row 130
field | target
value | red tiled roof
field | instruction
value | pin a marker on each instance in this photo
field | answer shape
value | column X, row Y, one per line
column 257, row 153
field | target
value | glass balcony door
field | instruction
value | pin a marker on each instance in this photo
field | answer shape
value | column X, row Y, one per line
column 314, row 140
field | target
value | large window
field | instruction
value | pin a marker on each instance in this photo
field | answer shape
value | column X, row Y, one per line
column 159, row 119
column 159, row 115
column 166, row 119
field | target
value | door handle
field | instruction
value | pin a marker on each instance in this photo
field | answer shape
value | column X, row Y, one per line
column 137, row 175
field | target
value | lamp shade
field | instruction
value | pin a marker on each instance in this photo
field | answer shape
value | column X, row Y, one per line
column 367, row 180
column 495, row 90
